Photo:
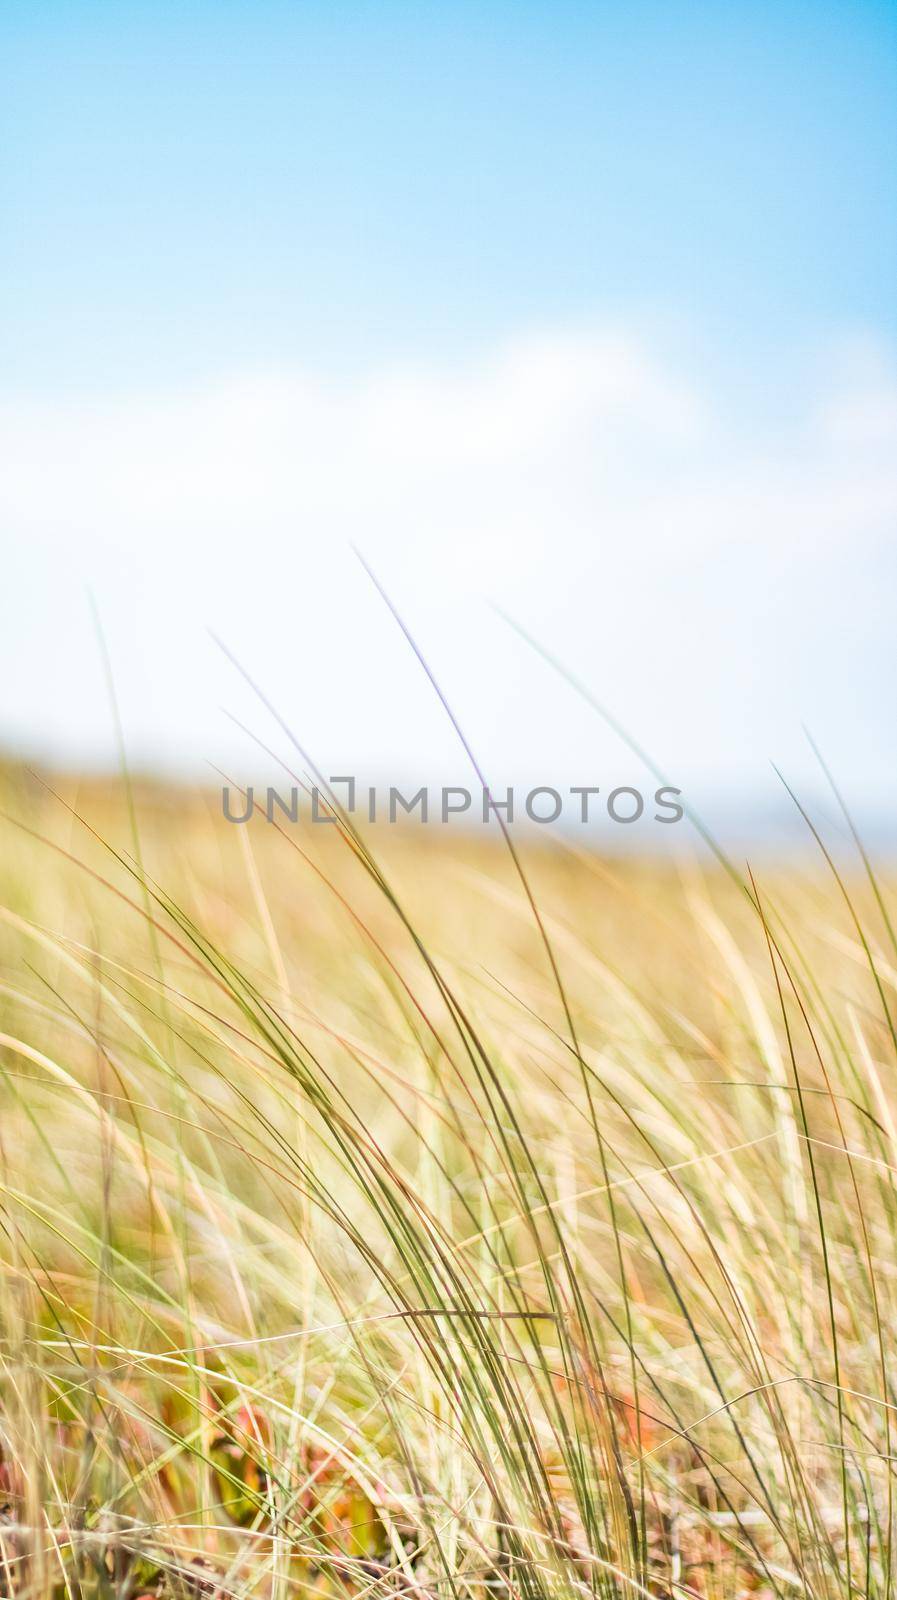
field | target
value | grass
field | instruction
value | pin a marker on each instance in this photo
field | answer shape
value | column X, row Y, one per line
column 366, row 1232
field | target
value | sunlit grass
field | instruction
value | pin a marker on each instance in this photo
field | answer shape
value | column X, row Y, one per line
column 365, row 1232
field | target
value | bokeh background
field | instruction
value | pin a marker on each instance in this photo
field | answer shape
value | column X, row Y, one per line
column 582, row 311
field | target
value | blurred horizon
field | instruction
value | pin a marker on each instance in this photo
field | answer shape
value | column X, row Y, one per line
column 759, row 826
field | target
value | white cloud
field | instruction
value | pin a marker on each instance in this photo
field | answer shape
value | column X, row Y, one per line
column 551, row 432
column 580, row 475
column 291, row 443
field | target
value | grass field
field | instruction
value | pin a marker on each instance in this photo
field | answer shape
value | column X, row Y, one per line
column 379, row 1220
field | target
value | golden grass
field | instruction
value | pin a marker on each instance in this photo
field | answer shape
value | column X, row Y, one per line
column 346, row 1252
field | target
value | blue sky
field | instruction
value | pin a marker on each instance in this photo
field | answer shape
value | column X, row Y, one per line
column 355, row 229
column 191, row 188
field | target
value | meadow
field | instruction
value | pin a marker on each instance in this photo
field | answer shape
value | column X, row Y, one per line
column 385, row 1216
